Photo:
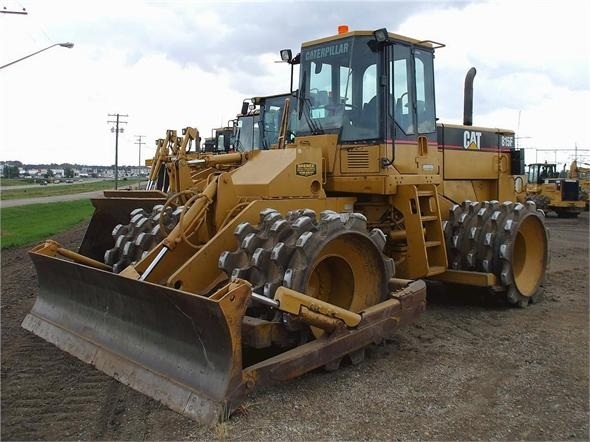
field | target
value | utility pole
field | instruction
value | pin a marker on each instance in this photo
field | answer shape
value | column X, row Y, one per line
column 139, row 143
column 116, row 129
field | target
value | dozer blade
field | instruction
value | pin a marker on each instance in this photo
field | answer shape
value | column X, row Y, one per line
column 114, row 208
column 179, row 348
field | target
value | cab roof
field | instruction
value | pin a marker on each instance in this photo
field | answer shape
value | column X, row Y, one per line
column 427, row 44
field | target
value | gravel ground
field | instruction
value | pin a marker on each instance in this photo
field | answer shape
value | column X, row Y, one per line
column 470, row 369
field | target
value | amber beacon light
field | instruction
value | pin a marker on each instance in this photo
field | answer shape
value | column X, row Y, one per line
column 342, row 29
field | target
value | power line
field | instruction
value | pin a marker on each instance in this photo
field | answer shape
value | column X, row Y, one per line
column 24, row 11
column 567, row 153
column 4, row 10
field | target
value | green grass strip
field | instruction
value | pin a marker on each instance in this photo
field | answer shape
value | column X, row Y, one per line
column 35, row 222
column 5, row 182
column 64, row 189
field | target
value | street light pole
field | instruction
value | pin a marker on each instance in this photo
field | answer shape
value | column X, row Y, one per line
column 64, row 45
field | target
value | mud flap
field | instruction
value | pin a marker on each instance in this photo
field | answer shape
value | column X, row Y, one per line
column 179, row 348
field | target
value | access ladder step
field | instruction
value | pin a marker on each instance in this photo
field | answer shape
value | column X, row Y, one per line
column 432, row 234
column 429, row 218
column 436, row 270
column 421, row 193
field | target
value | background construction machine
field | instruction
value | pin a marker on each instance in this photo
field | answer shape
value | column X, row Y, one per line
column 553, row 193
column 172, row 152
column 582, row 174
column 221, row 140
column 177, row 172
column 307, row 253
column 259, row 123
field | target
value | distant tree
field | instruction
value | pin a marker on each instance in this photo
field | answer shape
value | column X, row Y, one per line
column 68, row 172
column 49, row 173
column 10, row 171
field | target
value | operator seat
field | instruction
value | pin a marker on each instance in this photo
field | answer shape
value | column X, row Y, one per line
column 403, row 120
column 368, row 116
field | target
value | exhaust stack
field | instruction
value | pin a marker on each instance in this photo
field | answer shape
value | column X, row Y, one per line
column 468, row 98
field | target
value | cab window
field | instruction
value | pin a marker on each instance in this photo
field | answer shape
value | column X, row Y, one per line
column 424, row 92
column 400, row 89
column 339, row 90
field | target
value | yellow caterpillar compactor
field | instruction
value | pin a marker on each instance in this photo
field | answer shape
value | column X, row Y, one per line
column 299, row 256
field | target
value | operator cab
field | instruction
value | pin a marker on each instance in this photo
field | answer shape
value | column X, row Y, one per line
column 221, row 140
column 248, row 132
column 259, row 123
column 537, row 173
column 368, row 87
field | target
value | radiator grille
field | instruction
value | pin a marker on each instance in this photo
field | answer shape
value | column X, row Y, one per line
column 358, row 159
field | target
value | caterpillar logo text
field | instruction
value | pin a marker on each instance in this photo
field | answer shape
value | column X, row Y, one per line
column 471, row 140
column 326, row 51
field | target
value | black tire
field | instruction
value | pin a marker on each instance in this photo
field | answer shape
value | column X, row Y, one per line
column 541, row 201
column 561, row 213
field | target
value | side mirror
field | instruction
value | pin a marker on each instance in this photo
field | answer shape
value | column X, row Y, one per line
column 245, row 106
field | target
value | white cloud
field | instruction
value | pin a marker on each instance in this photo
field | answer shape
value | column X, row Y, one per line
column 532, row 59
column 172, row 64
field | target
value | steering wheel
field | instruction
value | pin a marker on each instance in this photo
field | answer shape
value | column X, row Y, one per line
column 401, row 98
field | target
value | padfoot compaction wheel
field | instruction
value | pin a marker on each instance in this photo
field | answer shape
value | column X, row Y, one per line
column 333, row 258
column 507, row 239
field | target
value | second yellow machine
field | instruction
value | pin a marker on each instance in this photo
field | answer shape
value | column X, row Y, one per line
column 302, row 255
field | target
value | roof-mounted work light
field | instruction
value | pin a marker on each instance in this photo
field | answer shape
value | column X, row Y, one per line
column 286, row 55
column 381, row 35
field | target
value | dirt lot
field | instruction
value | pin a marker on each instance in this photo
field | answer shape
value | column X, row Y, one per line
column 475, row 371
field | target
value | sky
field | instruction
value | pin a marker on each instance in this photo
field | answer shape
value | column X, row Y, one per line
column 172, row 64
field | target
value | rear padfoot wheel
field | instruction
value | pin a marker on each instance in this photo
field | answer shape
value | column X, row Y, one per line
column 507, row 239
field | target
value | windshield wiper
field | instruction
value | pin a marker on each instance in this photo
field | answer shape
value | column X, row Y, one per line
column 305, row 108
column 314, row 125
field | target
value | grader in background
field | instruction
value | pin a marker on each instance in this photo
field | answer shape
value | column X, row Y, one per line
column 306, row 253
